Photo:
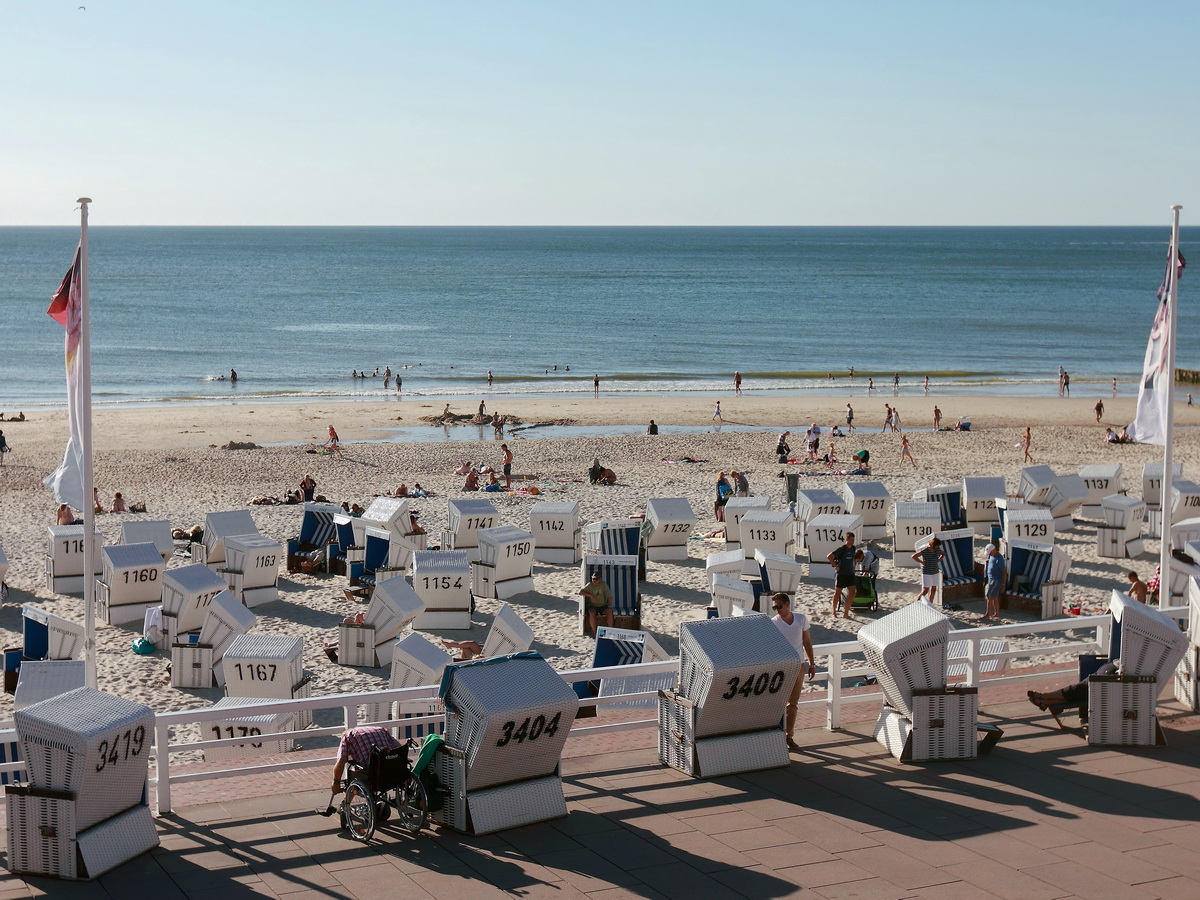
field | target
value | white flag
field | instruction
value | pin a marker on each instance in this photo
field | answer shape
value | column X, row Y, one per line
column 1150, row 424
column 67, row 480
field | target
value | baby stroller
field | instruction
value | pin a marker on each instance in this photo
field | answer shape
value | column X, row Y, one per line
column 866, row 596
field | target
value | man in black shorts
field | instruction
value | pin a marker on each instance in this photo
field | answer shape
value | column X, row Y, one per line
column 508, row 458
column 842, row 559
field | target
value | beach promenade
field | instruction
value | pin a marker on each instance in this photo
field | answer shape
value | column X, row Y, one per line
column 1044, row 816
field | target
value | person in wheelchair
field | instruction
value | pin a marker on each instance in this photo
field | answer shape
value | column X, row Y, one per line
column 355, row 749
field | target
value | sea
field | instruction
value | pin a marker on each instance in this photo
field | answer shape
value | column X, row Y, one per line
column 664, row 310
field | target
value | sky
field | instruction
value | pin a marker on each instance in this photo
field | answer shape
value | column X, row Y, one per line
column 237, row 112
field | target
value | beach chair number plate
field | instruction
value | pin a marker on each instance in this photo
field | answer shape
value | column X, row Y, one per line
column 134, row 738
column 918, row 530
column 531, row 729
column 256, row 672
column 261, row 562
column 141, row 575
column 754, row 685
column 477, row 522
column 552, row 525
column 679, row 527
column 443, row 582
column 518, row 549
column 827, row 534
column 763, row 534
column 1030, row 529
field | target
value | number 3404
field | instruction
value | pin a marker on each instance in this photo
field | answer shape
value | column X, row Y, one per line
column 529, row 730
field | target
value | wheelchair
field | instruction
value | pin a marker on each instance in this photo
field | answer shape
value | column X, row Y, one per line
column 384, row 784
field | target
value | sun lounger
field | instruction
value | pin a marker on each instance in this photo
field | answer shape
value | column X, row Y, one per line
column 1037, row 575
column 317, row 532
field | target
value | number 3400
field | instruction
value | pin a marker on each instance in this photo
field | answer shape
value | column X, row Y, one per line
column 754, row 685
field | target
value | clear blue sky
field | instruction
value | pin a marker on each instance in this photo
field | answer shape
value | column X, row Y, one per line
column 623, row 113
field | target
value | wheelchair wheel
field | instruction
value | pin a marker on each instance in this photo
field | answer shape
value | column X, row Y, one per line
column 383, row 810
column 358, row 810
column 413, row 807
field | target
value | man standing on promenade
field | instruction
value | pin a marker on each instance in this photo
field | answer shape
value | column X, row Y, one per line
column 793, row 626
column 508, row 458
column 842, row 560
column 737, row 382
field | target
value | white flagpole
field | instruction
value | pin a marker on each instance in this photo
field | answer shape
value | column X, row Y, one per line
column 85, row 426
column 1164, row 562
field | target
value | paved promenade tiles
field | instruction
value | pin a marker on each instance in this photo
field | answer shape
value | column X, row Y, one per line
column 1044, row 817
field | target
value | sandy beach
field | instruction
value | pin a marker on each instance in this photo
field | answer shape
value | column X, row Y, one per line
column 171, row 458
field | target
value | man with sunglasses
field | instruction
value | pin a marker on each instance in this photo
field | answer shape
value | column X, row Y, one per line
column 794, row 627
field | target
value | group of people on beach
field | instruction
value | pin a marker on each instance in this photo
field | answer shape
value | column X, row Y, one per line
column 492, row 484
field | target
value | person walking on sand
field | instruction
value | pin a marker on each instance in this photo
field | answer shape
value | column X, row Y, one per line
column 1099, row 410
column 842, row 560
column 334, row 443
column 870, row 384
column 906, row 451
column 1025, row 442
column 849, row 419
column 927, row 384
column 937, row 419
column 4, row 448
column 717, row 413
column 896, row 383
column 489, row 377
column 887, row 418
column 896, row 421
column 737, row 382
column 508, row 458
column 931, row 560
column 1189, row 399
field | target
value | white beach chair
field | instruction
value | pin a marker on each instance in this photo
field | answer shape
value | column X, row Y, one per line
column 912, row 520
column 700, row 732
column 158, row 533
column 979, row 495
column 217, row 527
column 505, row 565
column 130, row 582
column 556, row 531
column 823, row 535
column 442, row 579
column 872, row 501
column 668, row 525
column 65, row 558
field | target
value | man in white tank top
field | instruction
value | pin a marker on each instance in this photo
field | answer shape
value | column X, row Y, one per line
column 794, row 627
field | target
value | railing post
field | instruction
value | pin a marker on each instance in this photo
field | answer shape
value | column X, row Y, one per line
column 162, row 767
column 833, row 705
column 351, row 715
column 972, row 662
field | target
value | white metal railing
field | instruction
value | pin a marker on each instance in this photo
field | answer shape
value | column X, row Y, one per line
column 840, row 667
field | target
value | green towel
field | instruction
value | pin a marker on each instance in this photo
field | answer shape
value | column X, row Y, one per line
column 425, row 757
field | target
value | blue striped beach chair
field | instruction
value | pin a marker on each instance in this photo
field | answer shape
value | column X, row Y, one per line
column 317, row 531
column 346, row 550
column 619, row 572
column 613, row 537
column 959, row 580
column 948, row 497
column 1036, row 575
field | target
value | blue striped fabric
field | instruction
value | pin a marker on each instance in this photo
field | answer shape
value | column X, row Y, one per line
column 622, row 580
column 951, row 506
column 10, row 752
column 1035, row 564
column 958, row 565
column 623, row 539
column 316, row 528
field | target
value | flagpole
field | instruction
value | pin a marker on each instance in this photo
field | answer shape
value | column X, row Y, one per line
column 89, row 504
column 1168, row 481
